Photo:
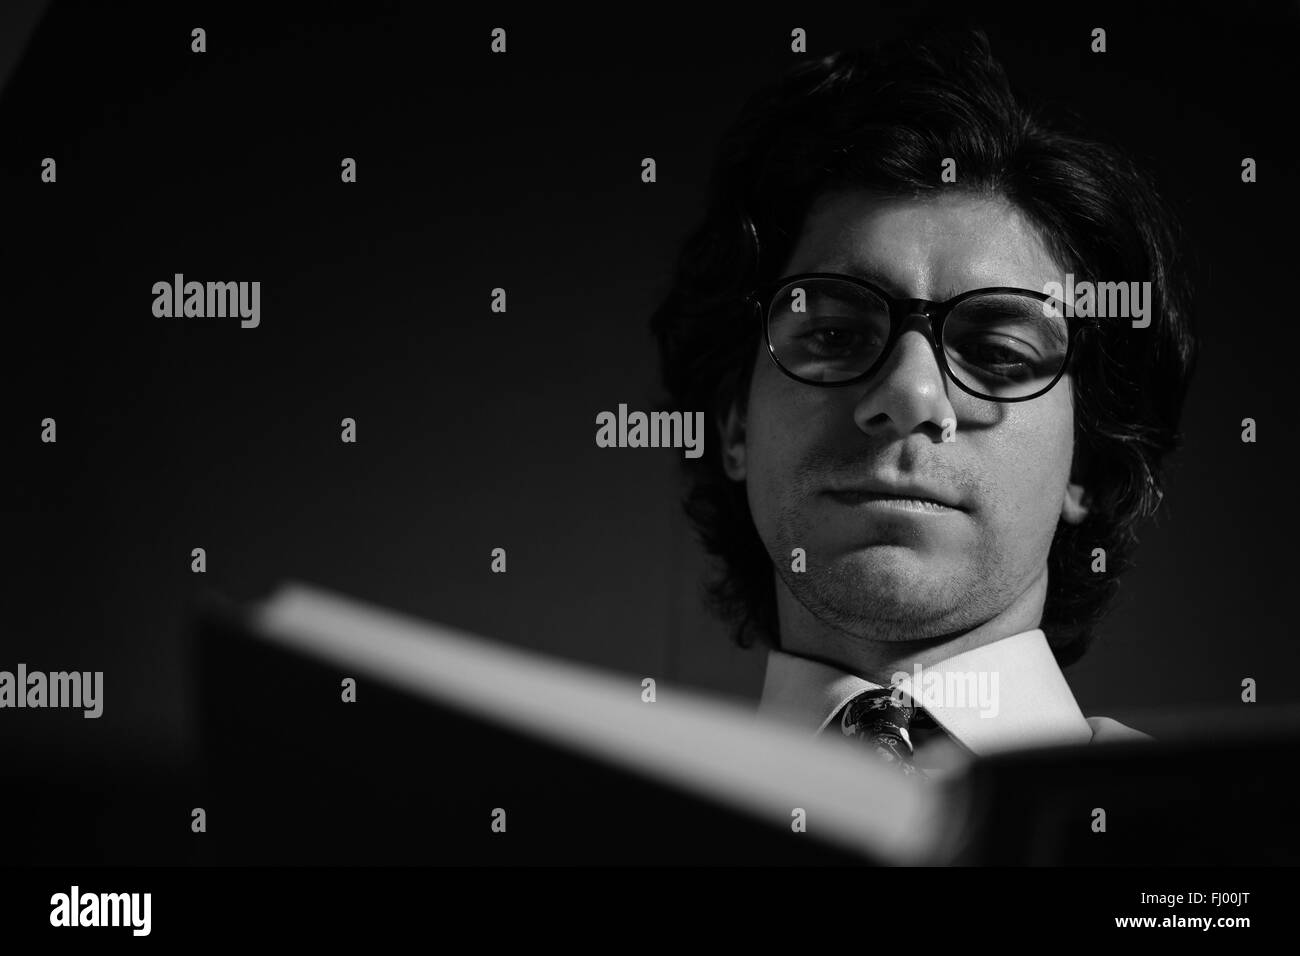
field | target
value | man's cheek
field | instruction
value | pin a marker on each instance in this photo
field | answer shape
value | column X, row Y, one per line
column 1029, row 517
column 762, row 487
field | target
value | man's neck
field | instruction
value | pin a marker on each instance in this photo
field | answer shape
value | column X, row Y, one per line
column 877, row 660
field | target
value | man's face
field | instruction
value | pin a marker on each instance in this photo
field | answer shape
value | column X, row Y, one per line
column 888, row 569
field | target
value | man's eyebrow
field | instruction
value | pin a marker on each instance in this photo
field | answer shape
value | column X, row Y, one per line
column 858, row 271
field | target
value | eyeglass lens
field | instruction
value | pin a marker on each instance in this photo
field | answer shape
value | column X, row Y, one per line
column 1002, row 345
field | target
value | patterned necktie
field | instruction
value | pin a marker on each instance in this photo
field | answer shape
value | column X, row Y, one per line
column 880, row 719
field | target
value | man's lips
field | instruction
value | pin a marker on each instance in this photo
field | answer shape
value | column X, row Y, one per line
column 896, row 501
column 883, row 489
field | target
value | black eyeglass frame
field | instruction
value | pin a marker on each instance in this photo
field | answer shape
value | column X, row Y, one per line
column 900, row 310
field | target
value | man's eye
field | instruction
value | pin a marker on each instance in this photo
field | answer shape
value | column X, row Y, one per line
column 998, row 357
column 830, row 340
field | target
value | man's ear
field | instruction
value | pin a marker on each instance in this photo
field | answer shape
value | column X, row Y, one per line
column 732, row 428
column 1077, row 501
column 1075, row 507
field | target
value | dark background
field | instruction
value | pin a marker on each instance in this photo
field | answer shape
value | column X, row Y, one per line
column 476, row 430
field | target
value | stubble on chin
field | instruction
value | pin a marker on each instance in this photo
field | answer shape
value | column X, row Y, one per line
column 848, row 598
column 889, row 598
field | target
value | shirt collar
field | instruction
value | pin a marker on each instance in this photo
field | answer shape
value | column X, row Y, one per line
column 1001, row 696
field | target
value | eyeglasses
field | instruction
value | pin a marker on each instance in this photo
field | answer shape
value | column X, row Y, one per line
column 1001, row 344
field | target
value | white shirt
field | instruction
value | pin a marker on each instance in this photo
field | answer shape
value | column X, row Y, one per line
column 1005, row 695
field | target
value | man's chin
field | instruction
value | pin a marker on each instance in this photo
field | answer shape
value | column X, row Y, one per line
column 890, row 567
column 884, row 582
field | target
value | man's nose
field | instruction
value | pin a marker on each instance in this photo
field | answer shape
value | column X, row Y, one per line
column 910, row 390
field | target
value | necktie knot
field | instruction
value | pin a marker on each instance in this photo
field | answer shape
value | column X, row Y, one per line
column 881, row 719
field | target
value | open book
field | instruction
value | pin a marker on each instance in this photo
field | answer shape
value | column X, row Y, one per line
column 337, row 730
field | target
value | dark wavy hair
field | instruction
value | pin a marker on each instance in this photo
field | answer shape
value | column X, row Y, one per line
column 885, row 118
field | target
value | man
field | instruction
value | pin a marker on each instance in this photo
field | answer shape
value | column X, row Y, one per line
column 928, row 466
